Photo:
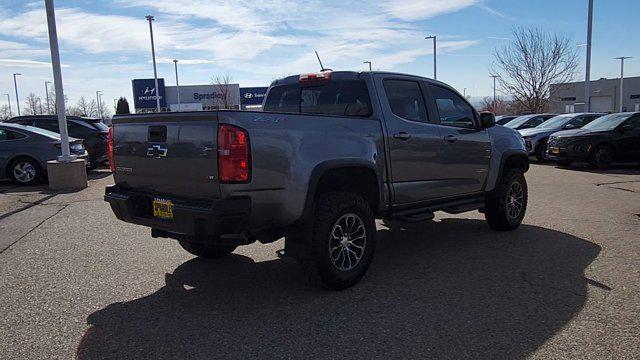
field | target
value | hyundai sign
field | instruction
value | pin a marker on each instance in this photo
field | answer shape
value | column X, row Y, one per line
column 252, row 95
column 145, row 92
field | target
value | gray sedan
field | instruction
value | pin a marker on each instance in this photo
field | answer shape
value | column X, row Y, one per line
column 25, row 150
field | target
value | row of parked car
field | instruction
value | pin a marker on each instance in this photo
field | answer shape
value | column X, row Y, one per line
column 597, row 138
column 28, row 142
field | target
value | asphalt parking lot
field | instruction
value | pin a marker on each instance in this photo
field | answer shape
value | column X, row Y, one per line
column 77, row 283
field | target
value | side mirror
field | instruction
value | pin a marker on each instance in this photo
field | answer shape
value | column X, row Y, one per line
column 487, row 120
column 570, row 126
column 626, row 128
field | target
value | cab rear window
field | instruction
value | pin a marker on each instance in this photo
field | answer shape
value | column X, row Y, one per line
column 337, row 97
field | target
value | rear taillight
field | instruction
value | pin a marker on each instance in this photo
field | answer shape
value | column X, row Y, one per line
column 234, row 163
column 112, row 163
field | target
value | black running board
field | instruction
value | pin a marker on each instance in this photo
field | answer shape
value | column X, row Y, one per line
column 426, row 213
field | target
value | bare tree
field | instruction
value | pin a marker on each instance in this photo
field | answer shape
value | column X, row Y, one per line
column 52, row 101
column 531, row 63
column 85, row 108
column 221, row 86
column 33, row 104
column 499, row 107
column 4, row 113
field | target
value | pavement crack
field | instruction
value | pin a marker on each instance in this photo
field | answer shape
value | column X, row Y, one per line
column 524, row 277
column 619, row 188
column 27, row 206
column 33, row 228
column 617, row 182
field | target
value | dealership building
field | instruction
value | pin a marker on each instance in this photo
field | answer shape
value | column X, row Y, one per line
column 604, row 96
column 194, row 97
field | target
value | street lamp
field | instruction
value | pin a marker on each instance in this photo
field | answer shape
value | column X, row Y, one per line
column 587, row 76
column 9, row 102
column 494, row 88
column 15, row 85
column 622, row 58
column 99, row 104
column 175, row 63
column 435, row 73
column 367, row 62
column 150, row 18
column 46, row 90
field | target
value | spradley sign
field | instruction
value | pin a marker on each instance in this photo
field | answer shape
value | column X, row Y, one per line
column 209, row 96
column 145, row 93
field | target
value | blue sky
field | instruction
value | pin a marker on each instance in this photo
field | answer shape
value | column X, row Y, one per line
column 104, row 44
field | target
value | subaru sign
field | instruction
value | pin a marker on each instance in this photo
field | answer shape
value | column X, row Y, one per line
column 145, row 92
column 252, row 95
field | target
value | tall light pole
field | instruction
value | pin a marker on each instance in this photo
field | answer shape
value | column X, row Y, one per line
column 175, row 64
column 9, row 102
column 150, row 18
column 587, row 76
column 46, row 91
column 622, row 58
column 494, row 88
column 57, row 82
column 367, row 62
column 435, row 68
column 98, row 103
column 15, row 85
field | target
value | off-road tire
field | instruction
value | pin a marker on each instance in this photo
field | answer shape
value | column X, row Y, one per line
column 330, row 208
column 207, row 251
column 37, row 176
column 601, row 157
column 497, row 211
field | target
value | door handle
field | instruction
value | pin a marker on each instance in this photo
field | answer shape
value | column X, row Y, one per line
column 402, row 136
column 450, row 138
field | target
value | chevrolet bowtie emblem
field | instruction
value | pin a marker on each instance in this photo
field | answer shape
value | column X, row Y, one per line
column 157, row 151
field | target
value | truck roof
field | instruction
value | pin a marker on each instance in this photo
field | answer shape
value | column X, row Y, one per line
column 351, row 75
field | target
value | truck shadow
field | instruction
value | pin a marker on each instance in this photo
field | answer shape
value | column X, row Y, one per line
column 447, row 289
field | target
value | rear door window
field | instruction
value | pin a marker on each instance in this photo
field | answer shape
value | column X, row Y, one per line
column 405, row 99
column 47, row 125
column 336, row 97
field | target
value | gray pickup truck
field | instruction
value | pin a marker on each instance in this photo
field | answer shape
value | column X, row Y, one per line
column 329, row 153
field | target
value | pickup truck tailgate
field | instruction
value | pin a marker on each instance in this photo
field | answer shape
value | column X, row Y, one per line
column 170, row 154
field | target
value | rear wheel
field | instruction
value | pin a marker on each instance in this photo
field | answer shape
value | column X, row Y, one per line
column 601, row 157
column 506, row 207
column 25, row 171
column 207, row 251
column 343, row 241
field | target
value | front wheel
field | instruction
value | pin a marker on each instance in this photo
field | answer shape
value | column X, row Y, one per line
column 343, row 241
column 207, row 251
column 601, row 157
column 506, row 206
column 541, row 152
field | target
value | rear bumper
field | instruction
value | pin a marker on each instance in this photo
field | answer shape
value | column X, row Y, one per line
column 195, row 220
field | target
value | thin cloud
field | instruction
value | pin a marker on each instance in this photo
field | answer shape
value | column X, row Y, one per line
column 28, row 63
